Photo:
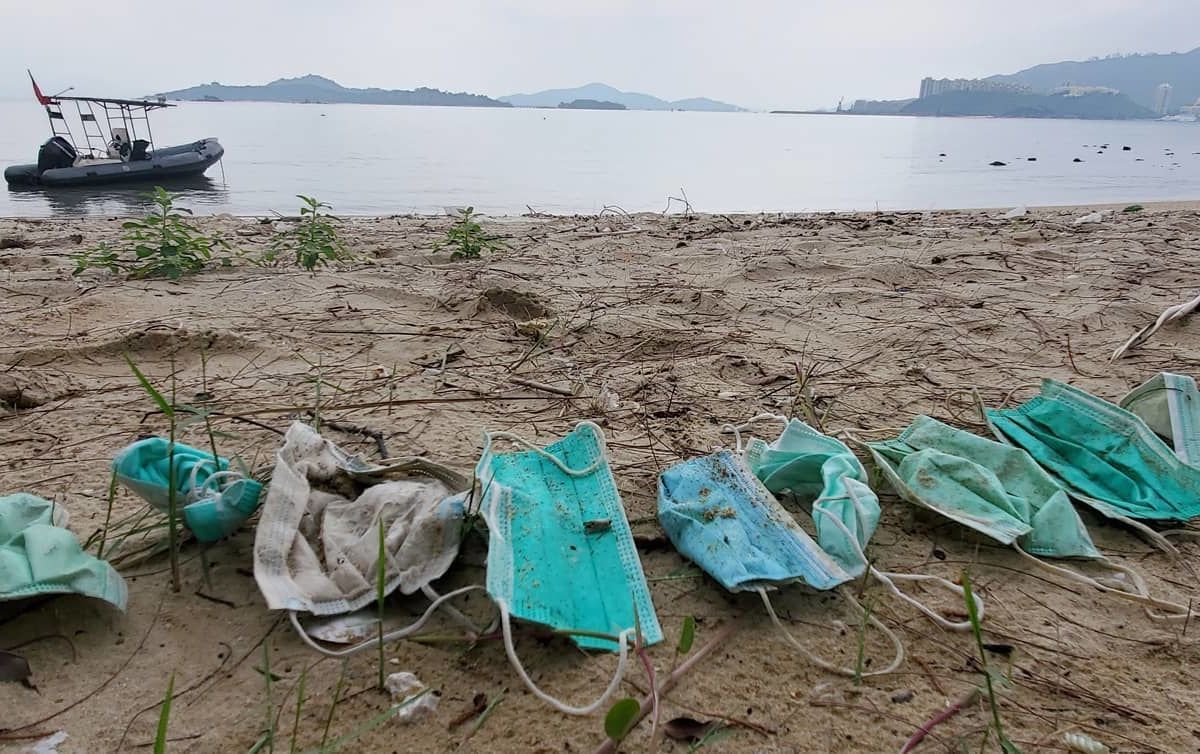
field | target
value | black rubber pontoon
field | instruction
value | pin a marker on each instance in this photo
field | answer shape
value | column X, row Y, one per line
column 57, row 166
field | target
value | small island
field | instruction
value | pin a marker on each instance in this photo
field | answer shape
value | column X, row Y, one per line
column 591, row 104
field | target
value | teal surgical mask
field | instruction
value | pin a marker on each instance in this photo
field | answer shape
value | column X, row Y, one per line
column 40, row 556
column 1102, row 454
column 721, row 517
column 825, row 477
column 1170, row 405
column 213, row 499
column 997, row 490
column 560, row 550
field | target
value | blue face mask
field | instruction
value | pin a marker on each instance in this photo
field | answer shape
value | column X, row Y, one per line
column 722, row 518
column 1103, row 455
column 560, row 551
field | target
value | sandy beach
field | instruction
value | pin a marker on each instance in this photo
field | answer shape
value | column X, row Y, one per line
column 661, row 329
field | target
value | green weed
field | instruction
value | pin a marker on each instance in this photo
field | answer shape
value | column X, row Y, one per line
column 164, row 715
column 1007, row 746
column 467, row 238
column 312, row 243
column 162, row 244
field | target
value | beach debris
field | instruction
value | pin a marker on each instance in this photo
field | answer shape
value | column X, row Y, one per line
column 49, row 744
column 1084, row 744
column 688, row 729
column 11, row 242
column 607, row 400
column 14, row 667
column 1169, row 315
column 478, row 704
column 536, row 328
column 1126, row 148
column 1031, row 159
column 1077, row 159
column 1090, row 219
column 1016, row 212
column 1133, row 208
column 408, row 690
column 1026, row 236
column 997, row 163
column 937, row 719
column 903, row 697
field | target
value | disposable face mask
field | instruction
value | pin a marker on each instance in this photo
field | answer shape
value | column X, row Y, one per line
column 997, row 490
column 316, row 547
column 1170, row 405
column 560, row 551
column 212, row 499
column 722, row 518
column 1103, row 455
column 39, row 556
column 817, row 470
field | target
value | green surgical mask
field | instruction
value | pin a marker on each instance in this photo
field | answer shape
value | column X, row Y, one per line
column 1103, row 455
column 39, row 556
column 991, row 487
column 560, row 550
column 999, row 491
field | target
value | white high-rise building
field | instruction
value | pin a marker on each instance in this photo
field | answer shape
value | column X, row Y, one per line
column 1162, row 98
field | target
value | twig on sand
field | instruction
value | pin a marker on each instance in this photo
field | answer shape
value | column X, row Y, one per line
column 941, row 717
column 609, row 747
column 541, row 386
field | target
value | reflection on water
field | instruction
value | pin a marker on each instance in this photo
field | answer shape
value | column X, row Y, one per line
column 200, row 193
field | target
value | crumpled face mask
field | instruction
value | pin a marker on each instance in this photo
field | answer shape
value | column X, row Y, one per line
column 997, row 490
column 316, row 547
column 212, row 499
column 1103, row 455
column 1170, row 405
column 39, row 556
column 560, row 550
column 722, row 518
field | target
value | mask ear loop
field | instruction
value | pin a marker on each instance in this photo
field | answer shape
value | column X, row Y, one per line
column 1175, row 610
column 517, row 439
column 737, row 429
column 399, row 633
column 824, row 664
column 888, row 579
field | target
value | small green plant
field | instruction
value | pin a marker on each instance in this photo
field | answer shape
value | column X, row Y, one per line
column 467, row 238
column 313, row 242
column 1007, row 746
column 163, row 244
column 164, row 715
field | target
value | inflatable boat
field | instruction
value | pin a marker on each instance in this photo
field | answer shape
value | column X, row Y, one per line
column 112, row 153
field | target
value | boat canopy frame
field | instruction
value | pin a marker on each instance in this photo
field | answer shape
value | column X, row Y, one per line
column 123, row 113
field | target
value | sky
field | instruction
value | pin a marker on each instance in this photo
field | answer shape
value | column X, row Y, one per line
column 759, row 54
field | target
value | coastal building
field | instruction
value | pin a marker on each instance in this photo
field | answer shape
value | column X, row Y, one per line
column 1162, row 98
column 931, row 87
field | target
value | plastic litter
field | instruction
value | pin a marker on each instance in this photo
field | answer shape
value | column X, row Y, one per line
column 1016, row 212
column 403, row 687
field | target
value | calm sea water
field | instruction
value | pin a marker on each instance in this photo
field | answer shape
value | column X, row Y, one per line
column 381, row 160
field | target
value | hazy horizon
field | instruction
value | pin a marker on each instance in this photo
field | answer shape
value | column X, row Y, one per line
column 759, row 55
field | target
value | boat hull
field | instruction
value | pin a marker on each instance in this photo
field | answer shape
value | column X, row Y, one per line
column 159, row 166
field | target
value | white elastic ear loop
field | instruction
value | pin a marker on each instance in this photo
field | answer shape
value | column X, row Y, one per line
column 194, row 491
column 515, row 438
column 622, row 639
column 1177, row 611
column 737, row 429
column 899, row 648
column 399, row 633
column 886, row 578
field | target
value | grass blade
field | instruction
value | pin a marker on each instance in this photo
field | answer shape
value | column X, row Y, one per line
column 164, row 715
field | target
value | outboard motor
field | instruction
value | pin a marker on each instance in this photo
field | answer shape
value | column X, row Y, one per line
column 56, row 153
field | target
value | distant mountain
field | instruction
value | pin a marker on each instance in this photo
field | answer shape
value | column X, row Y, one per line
column 605, row 93
column 1089, row 105
column 320, row 89
column 590, row 104
column 1136, row 76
